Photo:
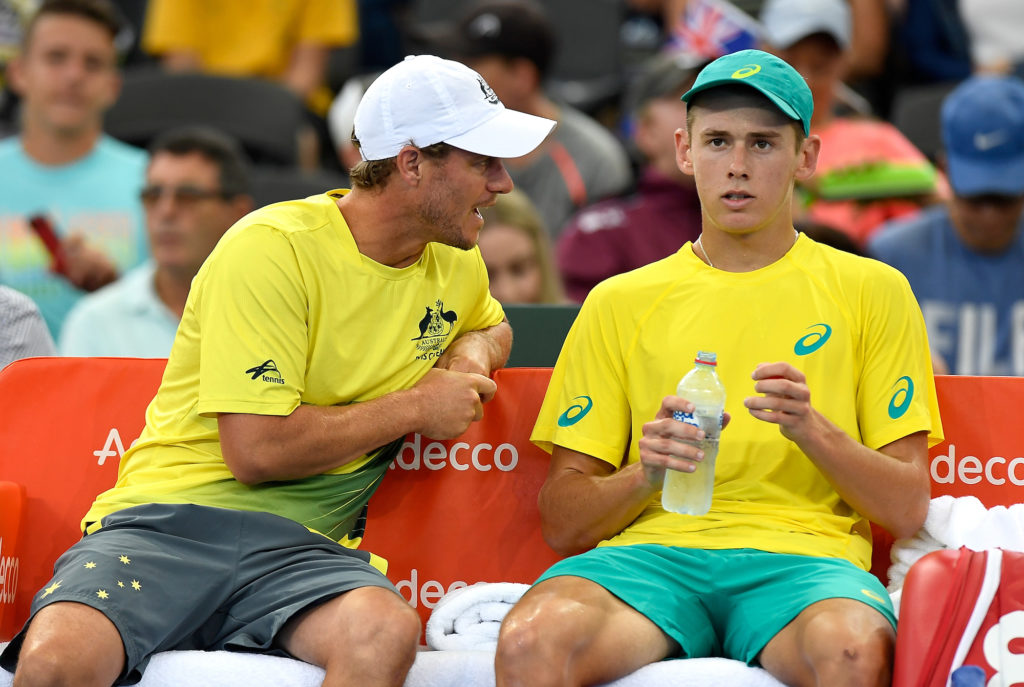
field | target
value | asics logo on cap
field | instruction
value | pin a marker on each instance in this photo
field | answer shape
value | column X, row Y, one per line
column 745, row 71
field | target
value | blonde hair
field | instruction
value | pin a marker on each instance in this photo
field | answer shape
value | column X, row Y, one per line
column 515, row 209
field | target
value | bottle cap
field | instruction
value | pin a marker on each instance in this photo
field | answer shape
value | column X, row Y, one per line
column 706, row 358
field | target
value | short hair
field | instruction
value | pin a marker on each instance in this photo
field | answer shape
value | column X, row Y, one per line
column 754, row 97
column 217, row 147
column 370, row 174
column 100, row 12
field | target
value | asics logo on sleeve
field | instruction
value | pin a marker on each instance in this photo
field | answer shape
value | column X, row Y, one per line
column 809, row 343
column 575, row 412
column 901, row 399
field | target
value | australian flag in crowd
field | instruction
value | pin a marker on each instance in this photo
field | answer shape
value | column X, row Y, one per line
column 712, row 28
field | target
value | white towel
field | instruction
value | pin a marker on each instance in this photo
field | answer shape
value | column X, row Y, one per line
column 431, row 669
column 953, row 522
column 469, row 618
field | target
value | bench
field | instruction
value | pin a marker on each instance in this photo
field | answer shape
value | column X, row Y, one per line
column 452, row 513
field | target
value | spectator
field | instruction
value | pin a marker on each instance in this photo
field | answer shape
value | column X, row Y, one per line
column 517, row 252
column 282, row 40
column 663, row 213
column 197, row 186
column 948, row 40
column 816, row 445
column 23, row 332
column 868, row 172
column 62, row 165
column 511, row 43
column 965, row 259
column 316, row 336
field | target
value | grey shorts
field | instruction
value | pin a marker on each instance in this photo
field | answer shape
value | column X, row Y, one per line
column 178, row 577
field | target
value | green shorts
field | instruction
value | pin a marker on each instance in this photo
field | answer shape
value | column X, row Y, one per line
column 722, row 602
column 178, row 577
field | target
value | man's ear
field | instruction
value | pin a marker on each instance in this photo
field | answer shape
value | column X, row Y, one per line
column 807, row 160
column 408, row 161
column 683, row 160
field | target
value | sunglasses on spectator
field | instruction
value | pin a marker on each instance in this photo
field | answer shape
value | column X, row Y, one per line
column 184, row 195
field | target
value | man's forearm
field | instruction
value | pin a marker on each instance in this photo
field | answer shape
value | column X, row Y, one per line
column 889, row 486
column 481, row 350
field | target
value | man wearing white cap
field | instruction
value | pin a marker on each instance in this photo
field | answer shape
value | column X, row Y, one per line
column 315, row 337
column 965, row 259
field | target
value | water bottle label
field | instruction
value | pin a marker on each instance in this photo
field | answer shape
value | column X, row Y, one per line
column 688, row 418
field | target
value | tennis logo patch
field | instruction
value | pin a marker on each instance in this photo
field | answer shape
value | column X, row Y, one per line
column 267, row 371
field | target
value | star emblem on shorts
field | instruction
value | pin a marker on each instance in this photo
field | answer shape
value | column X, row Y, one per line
column 51, row 589
column 102, row 593
column 89, row 566
column 120, row 584
column 124, row 559
column 136, row 585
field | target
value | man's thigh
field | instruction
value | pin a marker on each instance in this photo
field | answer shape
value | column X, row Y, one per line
column 765, row 592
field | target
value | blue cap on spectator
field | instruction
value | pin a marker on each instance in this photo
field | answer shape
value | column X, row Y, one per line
column 983, row 134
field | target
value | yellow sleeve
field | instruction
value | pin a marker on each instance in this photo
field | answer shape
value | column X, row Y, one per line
column 586, row 407
column 253, row 316
column 896, row 395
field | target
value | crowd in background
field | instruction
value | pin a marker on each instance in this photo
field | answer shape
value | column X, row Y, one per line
column 103, row 231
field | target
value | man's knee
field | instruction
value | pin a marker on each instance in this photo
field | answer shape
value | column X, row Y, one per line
column 537, row 625
column 382, row 614
column 51, row 662
column 850, row 650
column 70, row 644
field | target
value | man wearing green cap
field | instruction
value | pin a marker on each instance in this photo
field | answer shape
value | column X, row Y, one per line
column 830, row 410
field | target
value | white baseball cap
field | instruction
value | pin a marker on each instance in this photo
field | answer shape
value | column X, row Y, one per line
column 425, row 100
column 787, row 21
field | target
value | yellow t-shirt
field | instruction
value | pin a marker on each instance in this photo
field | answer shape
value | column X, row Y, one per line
column 248, row 37
column 850, row 324
column 286, row 311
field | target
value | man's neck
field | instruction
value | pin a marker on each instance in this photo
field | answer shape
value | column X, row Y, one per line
column 53, row 149
column 172, row 289
column 383, row 232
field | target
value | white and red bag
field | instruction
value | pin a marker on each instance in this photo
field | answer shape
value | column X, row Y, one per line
column 962, row 607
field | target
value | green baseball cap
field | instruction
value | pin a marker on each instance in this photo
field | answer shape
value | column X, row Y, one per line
column 773, row 77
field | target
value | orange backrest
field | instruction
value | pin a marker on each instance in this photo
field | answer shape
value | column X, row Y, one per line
column 65, row 422
column 451, row 513
column 12, row 500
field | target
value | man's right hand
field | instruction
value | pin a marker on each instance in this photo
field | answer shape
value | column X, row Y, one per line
column 449, row 401
column 668, row 443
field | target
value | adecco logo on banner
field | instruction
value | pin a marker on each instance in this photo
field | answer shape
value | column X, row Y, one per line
column 997, row 471
column 428, row 594
column 461, row 456
column 113, row 447
column 8, row 576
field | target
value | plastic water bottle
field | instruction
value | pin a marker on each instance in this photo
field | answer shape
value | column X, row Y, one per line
column 690, row 492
